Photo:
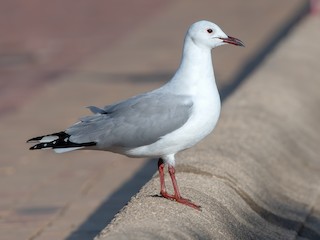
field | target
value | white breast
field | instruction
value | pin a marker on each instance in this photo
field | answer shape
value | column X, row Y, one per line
column 203, row 119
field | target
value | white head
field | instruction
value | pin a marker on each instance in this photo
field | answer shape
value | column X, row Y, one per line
column 209, row 35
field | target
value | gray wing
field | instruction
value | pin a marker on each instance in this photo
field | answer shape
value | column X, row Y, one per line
column 138, row 121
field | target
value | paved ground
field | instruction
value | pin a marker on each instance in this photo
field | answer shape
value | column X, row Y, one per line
column 42, row 41
column 54, row 63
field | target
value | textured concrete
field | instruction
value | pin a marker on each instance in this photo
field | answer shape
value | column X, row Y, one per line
column 258, row 175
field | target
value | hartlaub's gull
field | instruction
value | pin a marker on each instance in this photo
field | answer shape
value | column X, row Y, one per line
column 159, row 123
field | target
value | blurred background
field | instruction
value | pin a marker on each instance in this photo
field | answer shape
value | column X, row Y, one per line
column 57, row 57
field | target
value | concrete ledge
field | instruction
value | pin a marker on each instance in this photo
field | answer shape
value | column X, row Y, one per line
column 257, row 176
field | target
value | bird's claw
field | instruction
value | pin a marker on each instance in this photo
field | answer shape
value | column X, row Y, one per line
column 180, row 200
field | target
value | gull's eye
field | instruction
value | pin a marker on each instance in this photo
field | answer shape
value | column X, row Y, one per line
column 209, row 30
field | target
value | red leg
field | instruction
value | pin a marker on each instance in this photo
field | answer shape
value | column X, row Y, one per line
column 163, row 191
column 176, row 197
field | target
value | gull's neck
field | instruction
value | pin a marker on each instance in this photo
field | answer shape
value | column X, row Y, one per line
column 196, row 71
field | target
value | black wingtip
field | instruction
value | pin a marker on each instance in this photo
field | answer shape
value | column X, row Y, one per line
column 35, row 139
column 41, row 146
column 33, row 147
column 62, row 141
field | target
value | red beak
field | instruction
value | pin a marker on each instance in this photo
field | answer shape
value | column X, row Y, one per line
column 232, row 40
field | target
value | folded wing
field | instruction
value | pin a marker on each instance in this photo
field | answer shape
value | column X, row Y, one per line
column 139, row 121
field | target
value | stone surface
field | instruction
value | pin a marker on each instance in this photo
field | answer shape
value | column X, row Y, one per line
column 257, row 176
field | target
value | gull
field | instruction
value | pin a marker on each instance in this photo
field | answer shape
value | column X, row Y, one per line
column 160, row 123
